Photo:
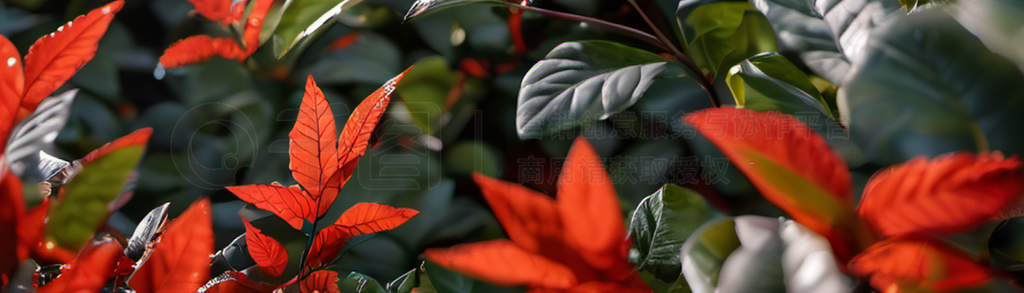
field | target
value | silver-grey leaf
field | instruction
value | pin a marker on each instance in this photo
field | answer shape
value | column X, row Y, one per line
column 37, row 132
column 578, row 82
column 137, row 246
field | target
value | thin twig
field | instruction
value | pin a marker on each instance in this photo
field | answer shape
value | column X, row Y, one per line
column 704, row 82
column 638, row 34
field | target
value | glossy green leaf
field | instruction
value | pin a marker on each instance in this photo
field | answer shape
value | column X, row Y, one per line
column 1006, row 246
column 704, row 253
column 424, row 7
column 579, row 82
column 359, row 283
column 917, row 93
column 769, row 82
column 305, row 18
column 796, row 25
column 447, row 281
column 660, row 225
column 424, row 91
column 998, row 23
column 83, row 209
column 725, row 33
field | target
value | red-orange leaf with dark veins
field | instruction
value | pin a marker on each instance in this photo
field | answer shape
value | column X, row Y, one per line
column 12, row 208
column 180, row 260
column 312, row 144
column 12, row 83
column 503, row 263
column 201, row 48
column 322, row 281
column 89, row 272
column 137, row 138
column 254, row 25
column 270, row 255
column 362, row 218
column 942, row 196
column 918, row 264
column 354, row 138
column 54, row 58
column 289, row 203
column 368, row 217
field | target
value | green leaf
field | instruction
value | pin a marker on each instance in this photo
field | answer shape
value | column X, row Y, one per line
column 1006, row 246
column 83, row 210
column 447, row 281
column 769, row 82
column 929, row 87
column 798, row 28
column 579, row 82
column 998, row 23
column 721, row 34
column 424, row 91
column 359, row 283
column 424, row 7
column 704, row 253
column 911, row 5
column 660, row 225
column 305, row 18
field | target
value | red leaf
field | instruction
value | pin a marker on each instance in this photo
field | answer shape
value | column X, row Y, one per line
column 362, row 218
column 180, row 260
column 254, row 25
column 200, row 48
column 270, row 255
column 356, row 135
column 89, row 272
column 590, row 210
column 503, row 263
column 946, row 195
column 54, row 58
column 367, row 217
column 530, row 219
column 137, row 138
column 235, row 282
column 326, row 245
column 794, row 169
column 289, row 203
column 917, row 262
column 12, row 208
column 11, row 88
column 216, row 10
column 312, row 146
column 344, row 41
column 322, row 281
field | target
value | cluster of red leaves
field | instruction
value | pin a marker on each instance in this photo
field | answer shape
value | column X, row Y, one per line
column 576, row 243
column 201, row 48
column 50, row 62
column 321, row 162
column 892, row 237
column 179, row 260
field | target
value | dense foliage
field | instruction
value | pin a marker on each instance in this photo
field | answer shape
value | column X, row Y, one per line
column 494, row 146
